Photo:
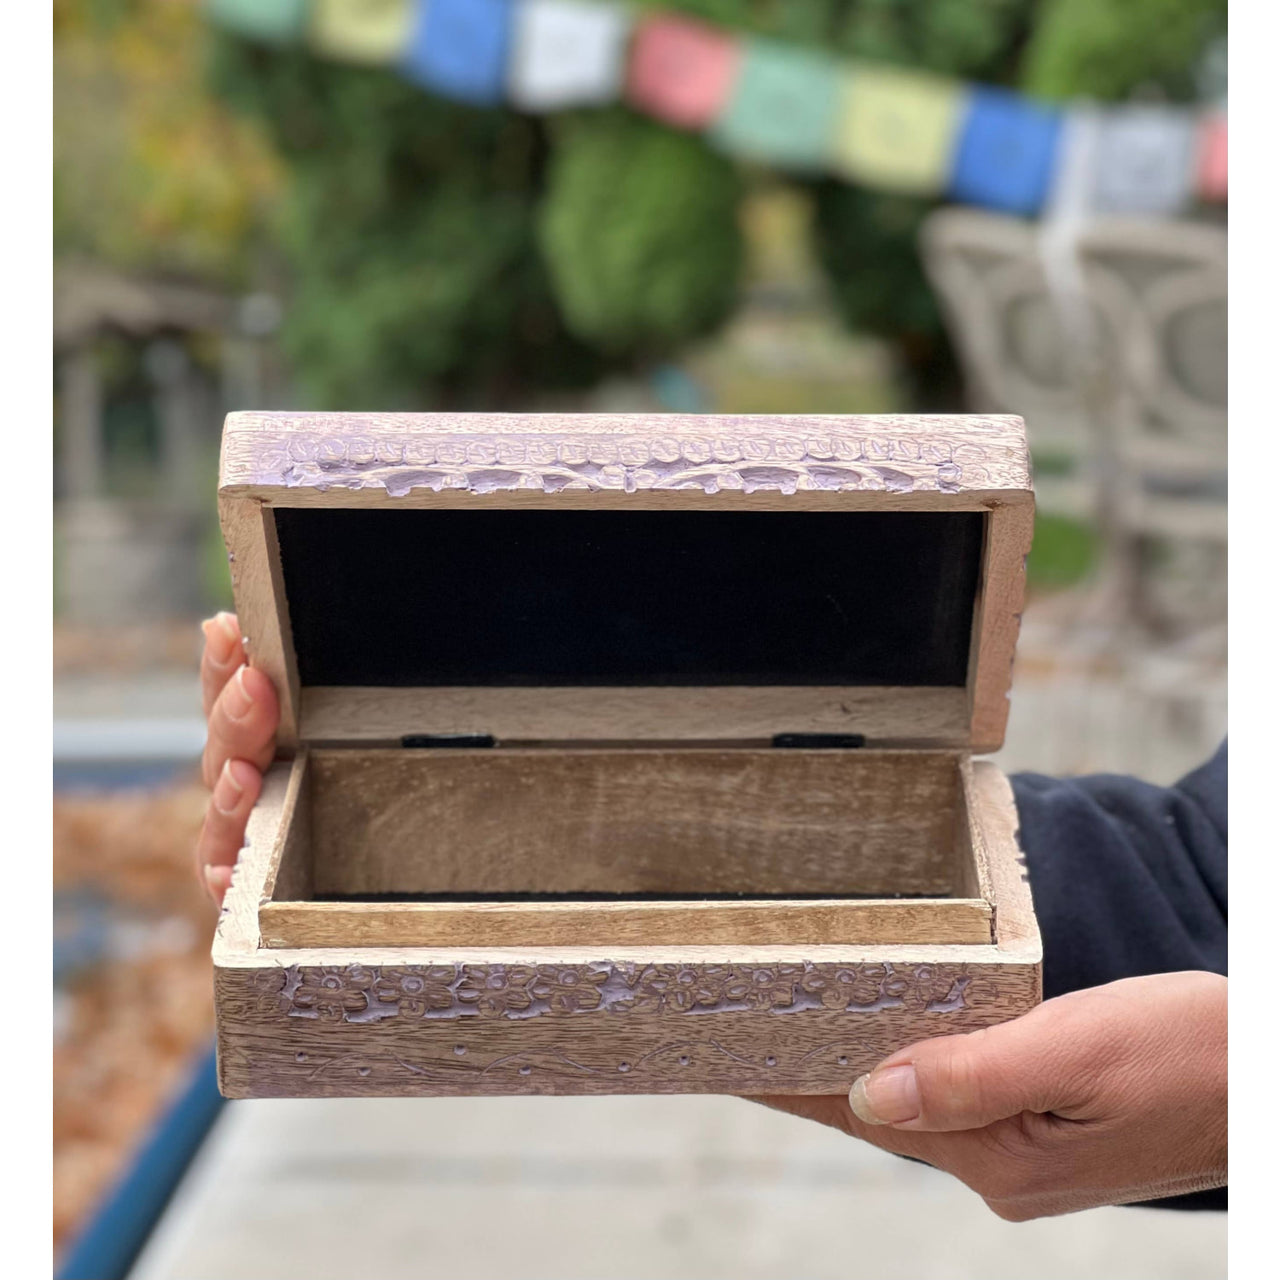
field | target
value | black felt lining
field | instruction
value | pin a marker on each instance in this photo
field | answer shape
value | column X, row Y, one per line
column 430, row 597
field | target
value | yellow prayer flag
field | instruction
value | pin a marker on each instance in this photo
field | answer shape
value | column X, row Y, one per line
column 374, row 31
column 897, row 129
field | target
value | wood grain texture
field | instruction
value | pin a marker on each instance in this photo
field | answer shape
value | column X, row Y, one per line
column 998, row 619
column 253, row 555
column 658, row 1026
column 993, row 825
column 290, row 867
column 266, row 835
column 285, row 923
column 923, row 717
column 836, row 823
column 400, row 454
column 748, row 1018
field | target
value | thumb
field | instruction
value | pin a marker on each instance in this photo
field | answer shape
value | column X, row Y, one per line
column 1039, row 1062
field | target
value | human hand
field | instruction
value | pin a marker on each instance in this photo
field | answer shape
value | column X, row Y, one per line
column 241, row 711
column 1104, row 1096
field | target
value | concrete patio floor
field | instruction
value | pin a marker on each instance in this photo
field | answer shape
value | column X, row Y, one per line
column 625, row 1188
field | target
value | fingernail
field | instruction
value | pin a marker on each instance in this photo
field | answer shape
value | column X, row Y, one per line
column 238, row 698
column 217, row 880
column 226, row 791
column 220, row 635
column 226, row 623
column 887, row 1096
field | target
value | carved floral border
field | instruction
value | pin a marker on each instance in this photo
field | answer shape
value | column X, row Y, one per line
column 358, row 993
column 402, row 461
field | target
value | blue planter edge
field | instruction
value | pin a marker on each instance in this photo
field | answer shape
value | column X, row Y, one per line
column 111, row 1241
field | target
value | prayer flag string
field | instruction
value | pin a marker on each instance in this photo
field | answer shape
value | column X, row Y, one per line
column 774, row 103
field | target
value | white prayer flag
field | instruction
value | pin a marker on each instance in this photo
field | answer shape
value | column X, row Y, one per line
column 1145, row 160
column 567, row 53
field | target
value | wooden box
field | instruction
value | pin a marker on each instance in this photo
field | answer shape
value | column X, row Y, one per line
column 622, row 754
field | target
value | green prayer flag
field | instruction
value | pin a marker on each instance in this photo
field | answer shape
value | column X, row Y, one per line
column 273, row 21
column 784, row 106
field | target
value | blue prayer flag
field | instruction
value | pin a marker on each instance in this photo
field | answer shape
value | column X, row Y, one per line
column 459, row 48
column 1007, row 151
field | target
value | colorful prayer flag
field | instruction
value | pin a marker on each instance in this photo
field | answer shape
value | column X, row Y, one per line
column 272, row 21
column 681, row 71
column 1211, row 169
column 370, row 31
column 1145, row 160
column 897, row 129
column 567, row 53
column 784, row 105
column 1006, row 152
column 458, row 48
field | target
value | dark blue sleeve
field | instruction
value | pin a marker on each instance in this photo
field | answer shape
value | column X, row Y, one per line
column 1128, row 879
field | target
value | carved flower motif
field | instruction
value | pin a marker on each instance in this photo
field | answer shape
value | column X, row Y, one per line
column 673, row 988
column 497, row 989
column 360, row 994
column 417, row 990
column 930, row 986
column 834, row 989
column 683, row 989
column 328, row 993
column 772, row 988
column 568, row 989
column 873, row 983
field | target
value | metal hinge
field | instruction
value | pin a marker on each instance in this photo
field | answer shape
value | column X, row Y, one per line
column 820, row 740
column 450, row 740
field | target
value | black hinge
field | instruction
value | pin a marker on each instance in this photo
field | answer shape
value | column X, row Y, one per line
column 820, row 740
column 447, row 740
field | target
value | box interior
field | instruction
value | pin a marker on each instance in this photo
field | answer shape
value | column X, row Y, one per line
column 510, row 845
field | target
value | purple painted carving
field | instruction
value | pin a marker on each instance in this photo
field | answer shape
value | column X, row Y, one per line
column 365, row 994
column 400, row 453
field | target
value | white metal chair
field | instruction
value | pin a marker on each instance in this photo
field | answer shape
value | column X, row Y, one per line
column 1109, row 337
column 1168, row 284
column 1016, row 352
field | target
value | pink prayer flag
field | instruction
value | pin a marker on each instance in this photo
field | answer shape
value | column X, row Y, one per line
column 1211, row 169
column 681, row 71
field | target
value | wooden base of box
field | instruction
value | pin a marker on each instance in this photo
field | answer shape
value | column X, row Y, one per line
column 348, row 997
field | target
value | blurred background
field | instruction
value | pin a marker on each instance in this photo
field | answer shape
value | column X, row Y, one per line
column 283, row 204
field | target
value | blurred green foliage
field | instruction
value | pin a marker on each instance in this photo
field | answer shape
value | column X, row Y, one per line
column 433, row 248
column 1104, row 49
column 214, row 570
column 640, row 232
column 1063, row 552
column 148, row 172
column 409, row 232
column 867, row 241
column 439, row 253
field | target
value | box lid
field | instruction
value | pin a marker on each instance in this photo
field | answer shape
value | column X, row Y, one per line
column 630, row 578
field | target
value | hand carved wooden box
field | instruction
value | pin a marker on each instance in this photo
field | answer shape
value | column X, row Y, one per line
column 622, row 754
